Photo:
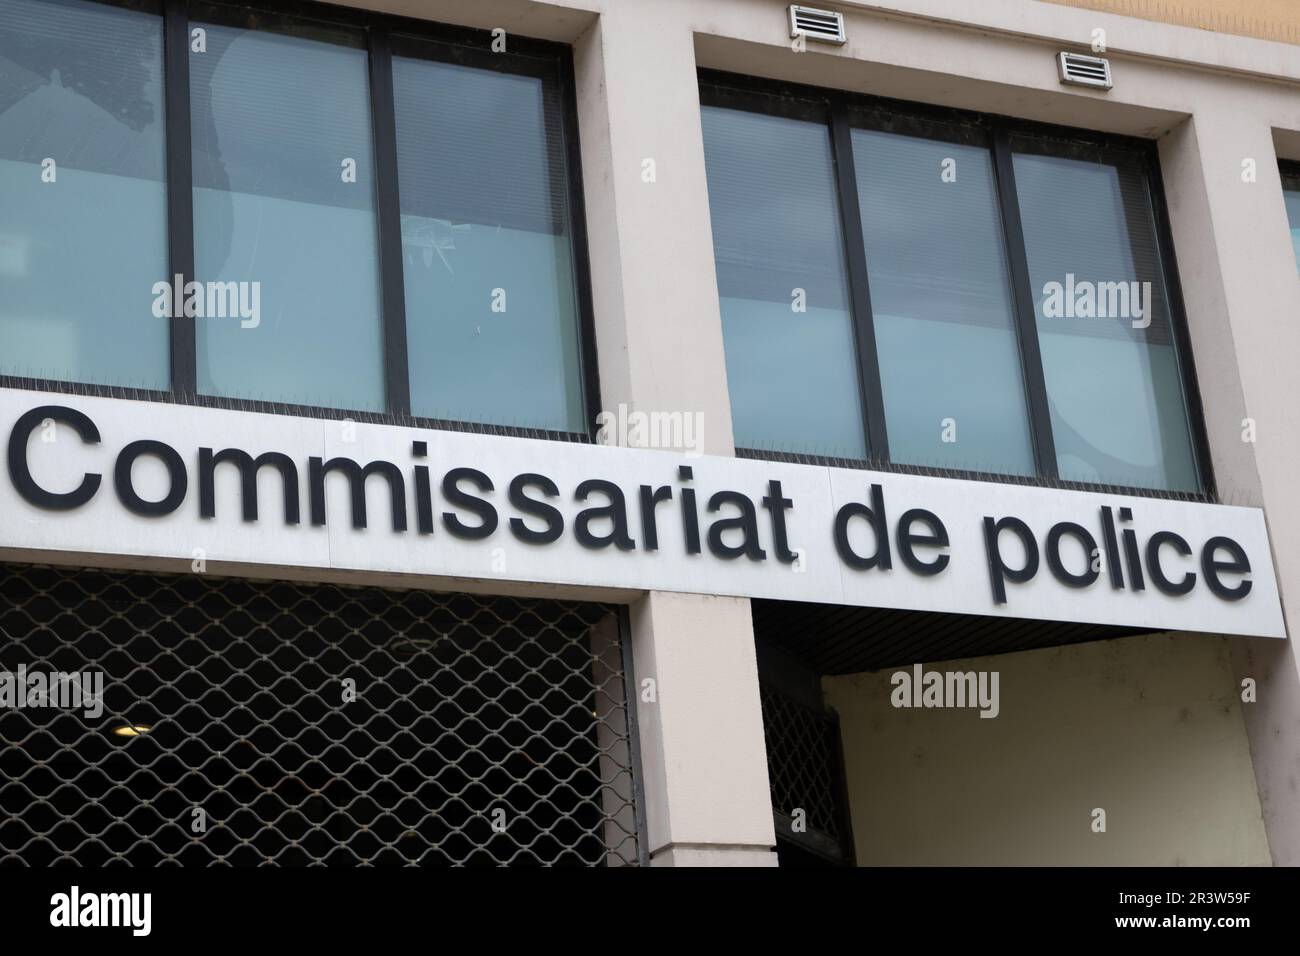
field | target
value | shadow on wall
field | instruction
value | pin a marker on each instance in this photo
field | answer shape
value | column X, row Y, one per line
column 1147, row 729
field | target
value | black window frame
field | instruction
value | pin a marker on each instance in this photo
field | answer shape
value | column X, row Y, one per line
column 842, row 112
column 465, row 46
column 1289, row 169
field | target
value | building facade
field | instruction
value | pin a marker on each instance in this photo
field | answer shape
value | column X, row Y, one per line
column 668, row 432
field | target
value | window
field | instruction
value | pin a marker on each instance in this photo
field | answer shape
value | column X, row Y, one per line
column 488, row 250
column 273, row 118
column 1111, row 368
column 783, row 284
column 83, row 236
column 995, row 297
column 365, row 214
column 941, row 303
column 1291, row 192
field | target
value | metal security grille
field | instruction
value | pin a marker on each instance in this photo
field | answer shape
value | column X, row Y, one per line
column 483, row 730
column 805, row 773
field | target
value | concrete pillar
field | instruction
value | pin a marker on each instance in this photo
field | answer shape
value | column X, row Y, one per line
column 1243, row 303
column 703, row 758
column 658, row 323
column 659, row 339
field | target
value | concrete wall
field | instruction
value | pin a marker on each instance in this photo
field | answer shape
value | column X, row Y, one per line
column 1266, row 19
column 1148, row 728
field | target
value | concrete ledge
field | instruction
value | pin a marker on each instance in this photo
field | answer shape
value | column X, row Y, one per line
column 681, row 854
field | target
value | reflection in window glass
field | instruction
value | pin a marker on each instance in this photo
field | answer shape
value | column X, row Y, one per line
column 786, row 318
column 941, row 304
column 82, row 240
column 1114, row 389
column 275, row 121
column 491, row 316
column 1291, row 191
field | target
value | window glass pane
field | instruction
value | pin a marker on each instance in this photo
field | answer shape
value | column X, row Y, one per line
column 941, row 304
column 1291, row 190
column 786, row 319
column 275, row 121
column 491, row 316
column 1117, row 405
column 82, row 241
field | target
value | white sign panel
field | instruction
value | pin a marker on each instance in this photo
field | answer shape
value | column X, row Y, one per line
column 97, row 476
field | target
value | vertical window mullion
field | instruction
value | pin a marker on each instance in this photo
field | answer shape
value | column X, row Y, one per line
column 180, row 181
column 1164, row 235
column 588, row 364
column 388, row 208
column 1040, row 418
column 873, row 400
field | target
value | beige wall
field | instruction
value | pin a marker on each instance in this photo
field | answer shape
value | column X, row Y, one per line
column 1266, row 19
column 1148, row 728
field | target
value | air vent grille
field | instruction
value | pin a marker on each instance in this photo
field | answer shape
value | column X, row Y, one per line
column 824, row 25
column 1080, row 70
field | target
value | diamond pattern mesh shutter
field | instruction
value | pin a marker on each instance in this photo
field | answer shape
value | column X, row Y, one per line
column 805, row 772
column 464, row 706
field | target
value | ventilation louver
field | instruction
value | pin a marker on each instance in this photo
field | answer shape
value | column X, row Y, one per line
column 824, row 25
column 1080, row 70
